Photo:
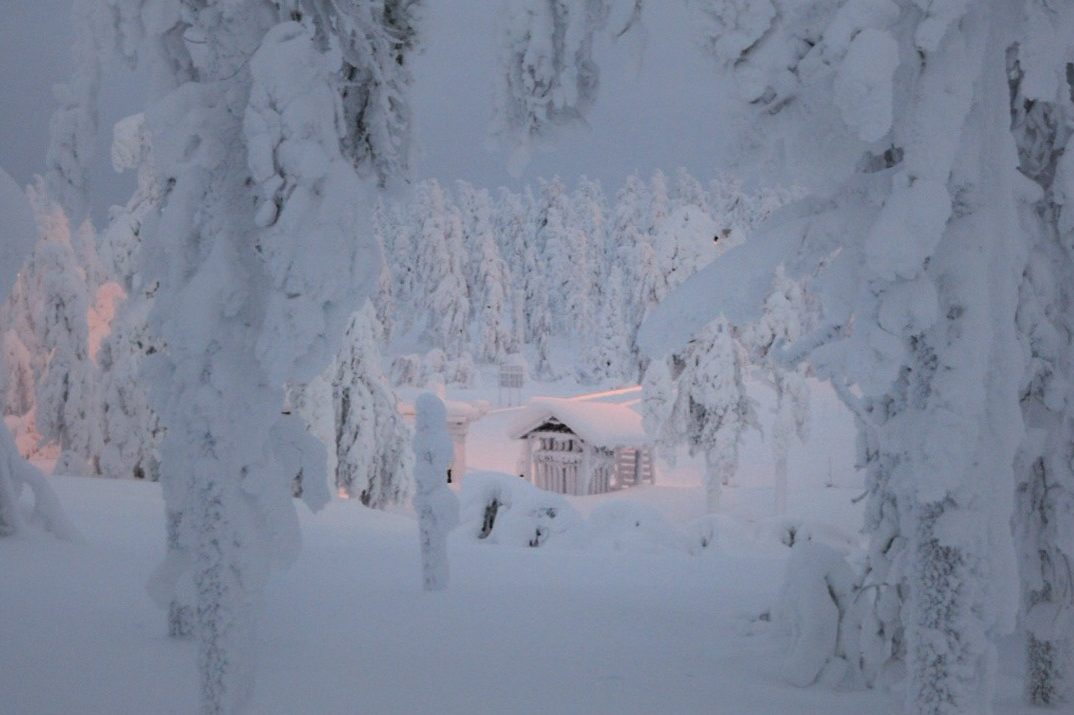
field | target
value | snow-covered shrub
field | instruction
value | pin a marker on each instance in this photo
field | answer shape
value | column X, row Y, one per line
column 791, row 531
column 373, row 459
column 818, row 588
column 504, row 509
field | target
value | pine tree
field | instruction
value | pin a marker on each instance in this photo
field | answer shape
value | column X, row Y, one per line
column 17, row 237
column 274, row 129
column 489, row 279
column 712, row 407
column 131, row 429
column 68, row 402
column 784, row 321
column 689, row 192
column 912, row 242
column 610, row 356
column 373, row 458
column 438, row 241
column 1042, row 111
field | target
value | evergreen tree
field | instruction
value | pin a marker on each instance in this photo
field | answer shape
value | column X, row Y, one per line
column 68, row 401
column 17, row 237
column 549, row 77
column 439, row 242
column 373, row 458
column 272, row 128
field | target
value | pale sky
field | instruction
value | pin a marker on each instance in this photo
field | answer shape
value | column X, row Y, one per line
column 664, row 115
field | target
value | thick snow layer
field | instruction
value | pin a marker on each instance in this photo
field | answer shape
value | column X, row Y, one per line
column 864, row 83
column 348, row 629
column 599, row 423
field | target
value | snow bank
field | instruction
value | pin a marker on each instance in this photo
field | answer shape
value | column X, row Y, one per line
column 503, row 509
column 631, row 526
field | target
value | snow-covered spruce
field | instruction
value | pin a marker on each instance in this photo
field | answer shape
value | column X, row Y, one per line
column 786, row 317
column 131, row 430
column 67, row 401
column 17, row 237
column 372, row 443
column 705, row 405
column 1042, row 108
column 436, row 505
column 272, row 124
column 900, row 124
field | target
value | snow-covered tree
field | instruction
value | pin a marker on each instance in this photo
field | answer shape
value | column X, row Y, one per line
column 659, row 200
column 590, row 211
column 438, row 242
column 489, row 279
column 711, row 409
column 372, row 443
column 785, row 319
column 549, row 77
column 898, row 119
column 658, row 404
column 73, row 127
column 631, row 247
column 386, row 232
column 567, row 276
column 131, row 431
column 1043, row 111
column 688, row 191
column 610, row 356
column 436, row 505
column 513, row 230
column 17, row 237
column 68, row 400
column 18, row 368
column 272, row 124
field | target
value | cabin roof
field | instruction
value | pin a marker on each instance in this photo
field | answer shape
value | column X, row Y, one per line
column 600, row 423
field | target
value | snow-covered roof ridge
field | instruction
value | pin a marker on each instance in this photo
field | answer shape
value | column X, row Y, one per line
column 599, row 423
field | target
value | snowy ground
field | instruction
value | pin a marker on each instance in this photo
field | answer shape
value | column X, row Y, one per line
column 621, row 626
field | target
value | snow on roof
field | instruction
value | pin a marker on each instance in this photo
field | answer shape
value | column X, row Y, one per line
column 599, row 423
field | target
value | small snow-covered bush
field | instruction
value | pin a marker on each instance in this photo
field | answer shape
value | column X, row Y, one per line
column 713, row 532
column 504, row 509
column 791, row 531
column 817, row 590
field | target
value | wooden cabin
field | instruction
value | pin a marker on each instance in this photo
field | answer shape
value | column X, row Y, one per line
column 577, row 447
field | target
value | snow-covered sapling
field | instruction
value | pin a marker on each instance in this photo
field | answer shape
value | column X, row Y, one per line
column 436, row 505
